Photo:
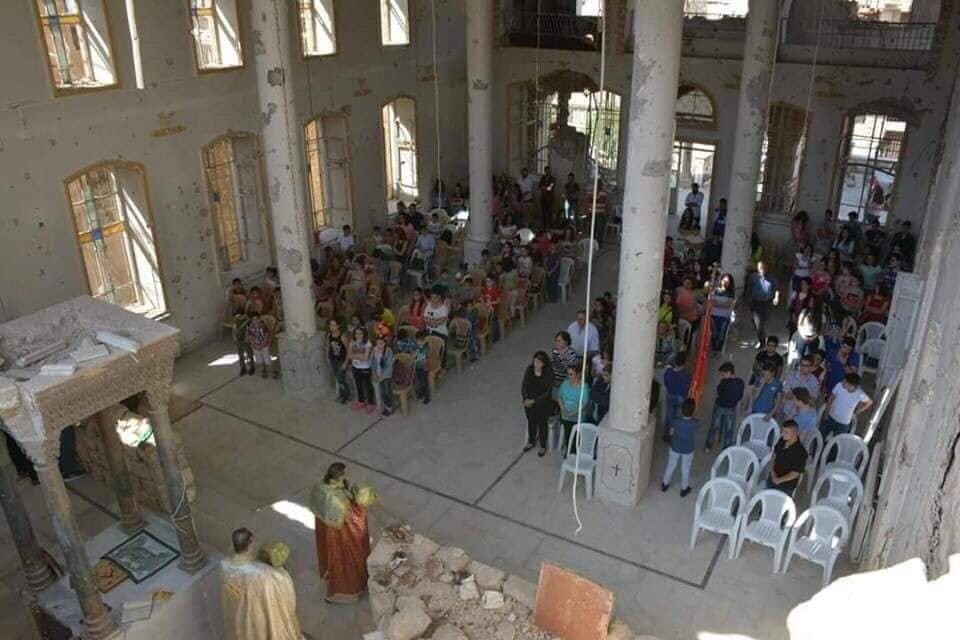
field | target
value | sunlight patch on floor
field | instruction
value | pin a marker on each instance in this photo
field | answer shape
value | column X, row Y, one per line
column 296, row 512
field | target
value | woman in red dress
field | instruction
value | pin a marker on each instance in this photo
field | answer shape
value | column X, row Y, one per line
column 343, row 535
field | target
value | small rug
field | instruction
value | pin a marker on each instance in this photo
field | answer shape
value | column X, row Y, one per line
column 142, row 555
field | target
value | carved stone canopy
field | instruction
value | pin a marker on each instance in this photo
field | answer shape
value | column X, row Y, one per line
column 35, row 406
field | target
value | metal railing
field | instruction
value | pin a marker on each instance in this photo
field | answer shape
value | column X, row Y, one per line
column 553, row 26
column 865, row 34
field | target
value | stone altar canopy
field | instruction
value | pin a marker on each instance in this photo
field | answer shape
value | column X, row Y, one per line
column 58, row 367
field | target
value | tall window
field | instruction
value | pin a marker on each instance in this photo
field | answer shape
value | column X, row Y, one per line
column 318, row 35
column 394, row 22
column 77, row 42
column 782, row 158
column 216, row 34
column 111, row 213
column 694, row 108
column 328, row 171
column 400, row 148
column 872, row 148
column 232, row 167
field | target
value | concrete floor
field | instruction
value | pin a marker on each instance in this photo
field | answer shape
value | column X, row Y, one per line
column 454, row 470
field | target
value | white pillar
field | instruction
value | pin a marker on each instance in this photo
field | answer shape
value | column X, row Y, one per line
column 480, row 124
column 757, row 74
column 300, row 347
column 625, row 446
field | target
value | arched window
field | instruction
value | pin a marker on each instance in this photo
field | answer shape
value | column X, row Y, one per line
column 694, row 107
column 111, row 214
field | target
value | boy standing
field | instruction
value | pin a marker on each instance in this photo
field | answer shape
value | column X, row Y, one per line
column 846, row 401
column 768, row 393
column 337, row 356
column 382, row 365
column 259, row 338
column 768, row 356
column 245, row 353
column 729, row 394
column 421, row 378
column 682, row 430
column 677, row 381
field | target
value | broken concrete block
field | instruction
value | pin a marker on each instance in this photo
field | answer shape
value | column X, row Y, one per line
column 522, row 591
column 468, row 589
column 506, row 631
column 453, row 558
column 492, row 600
column 382, row 604
column 381, row 555
column 433, row 569
column 421, row 549
column 570, row 606
column 408, row 624
column 487, row 577
column 620, row 630
column 448, row 632
column 405, row 602
column 439, row 597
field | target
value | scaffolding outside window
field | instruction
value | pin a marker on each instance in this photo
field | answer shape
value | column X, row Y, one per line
column 116, row 238
column 871, row 154
column 400, row 149
column 694, row 108
column 318, row 35
column 77, row 43
column 216, row 34
column 394, row 22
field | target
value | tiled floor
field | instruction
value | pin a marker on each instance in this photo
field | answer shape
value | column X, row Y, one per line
column 454, row 470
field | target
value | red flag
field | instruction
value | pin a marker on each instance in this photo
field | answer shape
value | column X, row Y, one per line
column 703, row 354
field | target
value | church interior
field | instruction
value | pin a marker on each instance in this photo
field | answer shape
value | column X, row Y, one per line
column 288, row 275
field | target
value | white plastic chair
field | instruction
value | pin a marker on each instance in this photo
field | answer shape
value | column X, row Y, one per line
column 739, row 464
column 872, row 349
column 818, row 536
column 554, row 434
column 588, row 444
column 719, row 508
column 585, row 246
column 772, row 527
column 813, row 443
column 841, row 489
column 869, row 331
column 847, row 451
column 565, row 277
column 758, row 434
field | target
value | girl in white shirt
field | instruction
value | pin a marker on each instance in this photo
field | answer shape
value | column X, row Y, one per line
column 359, row 355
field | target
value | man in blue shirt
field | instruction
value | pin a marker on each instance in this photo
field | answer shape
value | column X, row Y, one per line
column 840, row 362
column 764, row 294
column 729, row 393
column 682, row 430
column 768, row 393
column 677, row 381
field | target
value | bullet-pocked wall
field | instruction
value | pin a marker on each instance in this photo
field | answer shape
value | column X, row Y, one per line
column 911, row 85
column 44, row 138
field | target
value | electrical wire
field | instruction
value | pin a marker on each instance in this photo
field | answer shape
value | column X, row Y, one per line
column 436, row 98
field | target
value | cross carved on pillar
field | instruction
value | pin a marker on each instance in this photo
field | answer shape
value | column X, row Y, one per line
column 616, row 470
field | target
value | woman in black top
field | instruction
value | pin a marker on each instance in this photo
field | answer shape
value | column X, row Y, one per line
column 537, row 392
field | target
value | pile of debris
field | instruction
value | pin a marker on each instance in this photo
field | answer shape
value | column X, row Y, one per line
column 420, row 590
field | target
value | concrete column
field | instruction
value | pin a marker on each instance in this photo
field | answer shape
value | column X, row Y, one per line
column 38, row 574
column 301, row 351
column 192, row 558
column 97, row 619
column 626, row 442
column 918, row 506
column 480, row 126
column 131, row 519
column 758, row 62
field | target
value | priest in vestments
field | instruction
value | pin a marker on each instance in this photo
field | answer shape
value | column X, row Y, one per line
column 343, row 535
column 259, row 601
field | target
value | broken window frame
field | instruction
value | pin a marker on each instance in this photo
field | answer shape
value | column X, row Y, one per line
column 50, row 15
column 394, row 151
column 214, row 12
column 316, row 191
column 102, row 215
column 870, row 164
column 777, row 194
column 307, row 12
column 386, row 8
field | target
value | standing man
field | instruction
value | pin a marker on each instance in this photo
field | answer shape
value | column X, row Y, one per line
column 720, row 218
column 547, row 184
column 764, row 294
column 789, row 460
column 694, row 201
column 571, row 196
column 259, row 600
column 528, row 185
column 585, row 338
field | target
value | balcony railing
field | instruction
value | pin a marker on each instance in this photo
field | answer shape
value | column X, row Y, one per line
column 555, row 30
column 864, row 34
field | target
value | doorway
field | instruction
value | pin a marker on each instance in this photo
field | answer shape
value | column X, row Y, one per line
column 692, row 163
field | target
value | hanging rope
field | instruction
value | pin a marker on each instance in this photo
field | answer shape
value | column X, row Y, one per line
column 539, row 112
column 593, row 226
column 436, row 98
column 813, row 67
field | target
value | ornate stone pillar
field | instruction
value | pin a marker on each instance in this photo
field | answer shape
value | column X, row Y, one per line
column 99, row 623
column 758, row 62
column 38, row 574
column 131, row 519
column 302, row 354
column 480, row 126
column 192, row 557
column 626, row 442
